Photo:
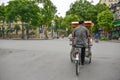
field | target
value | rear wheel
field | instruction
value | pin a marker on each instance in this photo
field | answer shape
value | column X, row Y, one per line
column 90, row 58
column 77, row 68
column 71, row 58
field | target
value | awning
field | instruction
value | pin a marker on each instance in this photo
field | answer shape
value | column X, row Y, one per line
column 116, row 23
column 86, row 23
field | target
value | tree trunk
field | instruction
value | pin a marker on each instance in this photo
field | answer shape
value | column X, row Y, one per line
column 45, row 31
column 22, row 37
column 10, row 34
column 57, row 34
column 3, row 30
column 27, row 33
column 16, row 32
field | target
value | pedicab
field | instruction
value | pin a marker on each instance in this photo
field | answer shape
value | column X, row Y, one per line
column 74, row 57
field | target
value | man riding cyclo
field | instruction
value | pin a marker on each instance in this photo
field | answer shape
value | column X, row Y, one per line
column 80, row 37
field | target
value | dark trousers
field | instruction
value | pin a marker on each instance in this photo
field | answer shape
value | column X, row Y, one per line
column 82, row 55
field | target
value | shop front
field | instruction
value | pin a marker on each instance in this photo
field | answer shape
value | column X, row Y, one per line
column 115, row 32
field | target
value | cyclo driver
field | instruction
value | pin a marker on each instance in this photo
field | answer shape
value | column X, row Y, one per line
column 80, row 37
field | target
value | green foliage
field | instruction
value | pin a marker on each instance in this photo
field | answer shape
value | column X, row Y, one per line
column 58, row 20
column 82, row 10
column 2, row 18
column 2, row 12
column 17, row 27
column 62, row 32
column 9, row 30
column 86, row 11
column 23, row 10
column 67, row 21
column 48, row 12
column 98, row 9
column 105, row 19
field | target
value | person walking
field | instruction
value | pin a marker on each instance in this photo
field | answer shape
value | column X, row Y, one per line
column 96, row 37
column 80, row 37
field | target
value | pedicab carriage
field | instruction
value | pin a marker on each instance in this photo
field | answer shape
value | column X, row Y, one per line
column 88, row 53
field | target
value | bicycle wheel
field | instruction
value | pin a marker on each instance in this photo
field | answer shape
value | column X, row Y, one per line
column 77, row 68
column 89, row 59
column 71, row 58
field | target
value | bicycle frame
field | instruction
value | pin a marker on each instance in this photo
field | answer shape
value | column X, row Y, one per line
column 77, row 54
column 77, row 59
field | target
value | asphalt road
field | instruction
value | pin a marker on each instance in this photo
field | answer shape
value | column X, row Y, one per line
column 49, row 60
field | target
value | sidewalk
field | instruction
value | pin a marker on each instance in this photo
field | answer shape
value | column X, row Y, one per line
column 27, row 39
column 37, row 38
column 117, row 41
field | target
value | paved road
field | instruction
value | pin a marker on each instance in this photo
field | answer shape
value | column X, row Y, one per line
column 49, row 60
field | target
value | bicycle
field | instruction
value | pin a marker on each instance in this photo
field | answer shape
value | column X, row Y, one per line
column 75, row 57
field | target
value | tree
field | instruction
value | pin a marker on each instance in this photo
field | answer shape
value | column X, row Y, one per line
column 2, row 17
column 25, row 11
column 17, row 28
column 57, row 24
column 105, row 19
column 9, row 32
column 81, row 9
column 67, row 21
column 47, row 12
column 98, row 9
column 86, row 11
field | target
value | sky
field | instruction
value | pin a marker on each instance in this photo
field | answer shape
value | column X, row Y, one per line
column 62, row 5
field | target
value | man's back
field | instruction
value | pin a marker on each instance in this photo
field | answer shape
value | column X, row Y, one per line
column 80, row 33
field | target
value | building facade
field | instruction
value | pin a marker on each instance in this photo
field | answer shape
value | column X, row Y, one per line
column 114, row 6
column 108, row 2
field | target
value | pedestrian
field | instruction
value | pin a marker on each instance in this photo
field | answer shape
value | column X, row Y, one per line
column 96, row 37
column 80, row 36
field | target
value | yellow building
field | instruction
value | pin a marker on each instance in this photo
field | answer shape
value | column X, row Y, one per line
column 13, row 34
column 36, row 32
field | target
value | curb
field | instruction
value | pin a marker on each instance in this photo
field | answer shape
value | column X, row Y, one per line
column 25, row 39
column 117, row 41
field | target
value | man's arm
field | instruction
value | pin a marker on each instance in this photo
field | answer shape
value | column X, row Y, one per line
column 73, row 36
column 88, row 35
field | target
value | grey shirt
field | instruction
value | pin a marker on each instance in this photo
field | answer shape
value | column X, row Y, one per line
column 80, row 35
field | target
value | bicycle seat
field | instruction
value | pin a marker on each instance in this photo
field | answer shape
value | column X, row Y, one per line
column 79, row 46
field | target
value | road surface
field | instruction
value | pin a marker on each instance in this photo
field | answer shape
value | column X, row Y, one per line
column 49, row 60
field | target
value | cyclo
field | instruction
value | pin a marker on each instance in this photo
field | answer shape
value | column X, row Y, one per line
column 75, row 55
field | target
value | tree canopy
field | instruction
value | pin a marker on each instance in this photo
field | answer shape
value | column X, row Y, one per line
column 28, row 12
column 105, row 19
column 87, row 11
column 31, row 14
column 67, row 21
